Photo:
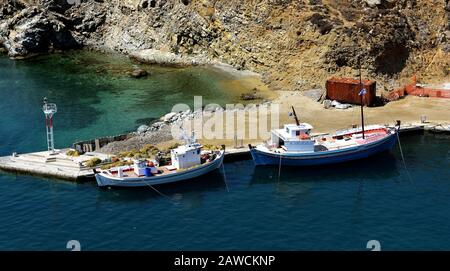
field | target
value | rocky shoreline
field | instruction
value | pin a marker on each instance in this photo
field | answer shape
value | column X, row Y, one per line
column 160, row 131
column 409, row 110
column 294, row 45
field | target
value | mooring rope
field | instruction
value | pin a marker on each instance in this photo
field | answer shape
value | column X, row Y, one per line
column 225, row 176
column 279, row 168
column 159, row 192
column 403, row 157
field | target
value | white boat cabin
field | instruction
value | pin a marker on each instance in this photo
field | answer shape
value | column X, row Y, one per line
column 139, row 167
column 186, row 156
column 293, row 138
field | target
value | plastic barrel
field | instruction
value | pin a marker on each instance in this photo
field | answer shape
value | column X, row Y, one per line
column 148, row 172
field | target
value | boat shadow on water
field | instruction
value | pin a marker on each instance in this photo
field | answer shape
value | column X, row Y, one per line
column 379, row 166
column 213, row 181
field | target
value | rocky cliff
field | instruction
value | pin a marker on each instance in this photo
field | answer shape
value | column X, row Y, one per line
column 294, row 44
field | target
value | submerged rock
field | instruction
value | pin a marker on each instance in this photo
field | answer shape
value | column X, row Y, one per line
column 254, row 95
column 139, row 73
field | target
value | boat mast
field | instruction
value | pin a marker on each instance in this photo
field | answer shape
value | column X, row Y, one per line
column 361, row 94
column 295, row 116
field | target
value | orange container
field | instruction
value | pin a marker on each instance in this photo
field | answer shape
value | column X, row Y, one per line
column 346, row 90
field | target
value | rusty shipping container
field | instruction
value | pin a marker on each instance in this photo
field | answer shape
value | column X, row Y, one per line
column 346, row 90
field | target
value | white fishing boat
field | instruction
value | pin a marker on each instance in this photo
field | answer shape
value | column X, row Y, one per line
column 294, row 146
column 187, row 161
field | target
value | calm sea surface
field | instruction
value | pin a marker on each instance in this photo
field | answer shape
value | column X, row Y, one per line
column 322, row 208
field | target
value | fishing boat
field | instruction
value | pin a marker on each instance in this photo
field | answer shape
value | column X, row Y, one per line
column 186, row 162
column 294, row 146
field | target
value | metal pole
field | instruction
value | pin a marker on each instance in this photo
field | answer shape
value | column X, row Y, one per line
column 49, row 111
column 362, row 116
column 52, row 142
column 362, row 105
column 295, row 116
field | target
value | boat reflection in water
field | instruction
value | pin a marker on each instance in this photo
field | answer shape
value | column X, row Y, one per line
column 295, row 183
column 383, row 165
column 189, row 193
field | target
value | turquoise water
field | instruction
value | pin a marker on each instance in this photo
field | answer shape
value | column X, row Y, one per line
column 95, row 96
column 337, row 207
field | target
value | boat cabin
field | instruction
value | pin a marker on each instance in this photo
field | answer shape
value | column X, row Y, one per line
column 293, row 138
column 140, row 166
column 186, row 156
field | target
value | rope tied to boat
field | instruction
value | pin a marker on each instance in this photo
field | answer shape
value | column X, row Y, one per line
column 403, row 157
column 279, row 168
column 160, row 193
column 225, row 177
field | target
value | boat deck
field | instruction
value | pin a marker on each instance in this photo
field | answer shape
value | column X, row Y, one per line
column 332, row 142
column 131, row 174
column 163, row 170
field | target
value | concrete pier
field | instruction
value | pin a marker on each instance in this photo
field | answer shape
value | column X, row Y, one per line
column 61, row 166
column 57, row 165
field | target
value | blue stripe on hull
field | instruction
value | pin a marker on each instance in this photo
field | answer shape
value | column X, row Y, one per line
column 262, row 158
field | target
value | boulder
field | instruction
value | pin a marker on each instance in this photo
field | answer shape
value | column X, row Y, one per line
column 35, row 30
column 152, row 56
column 169, row 116
column 373, row 3
column 139, row 73
column 142, row 129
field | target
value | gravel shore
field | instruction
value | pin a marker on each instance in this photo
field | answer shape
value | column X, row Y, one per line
column 408, row 110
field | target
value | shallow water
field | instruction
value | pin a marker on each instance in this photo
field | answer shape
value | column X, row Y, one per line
column 337, row 207
column 96, row 97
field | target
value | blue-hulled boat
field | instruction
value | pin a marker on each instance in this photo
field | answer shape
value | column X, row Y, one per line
column 293, row 150
column 294, row 146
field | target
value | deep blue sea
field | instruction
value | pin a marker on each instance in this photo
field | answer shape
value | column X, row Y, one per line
column 337, row 207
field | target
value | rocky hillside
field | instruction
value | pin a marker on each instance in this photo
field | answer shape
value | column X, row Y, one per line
column 294, row 44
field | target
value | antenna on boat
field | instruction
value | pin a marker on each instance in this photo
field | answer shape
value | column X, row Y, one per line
column 295, row 116
column 362, row 92
column 186, row 138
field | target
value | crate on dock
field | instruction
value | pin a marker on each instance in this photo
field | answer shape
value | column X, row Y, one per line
column 346, row 90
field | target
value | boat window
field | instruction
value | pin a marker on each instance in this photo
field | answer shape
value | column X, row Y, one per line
column 297, row 133
column 198, row 151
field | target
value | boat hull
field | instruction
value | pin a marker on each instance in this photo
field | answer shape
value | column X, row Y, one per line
column 103, row 180
column 326, row 157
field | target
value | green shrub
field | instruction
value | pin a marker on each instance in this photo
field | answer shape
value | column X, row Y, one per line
column 171, row 147
column 148, row 150
column 93, row 162
column 116, row 164
column 128, row 153
column 210, row 147
column 72, row 153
